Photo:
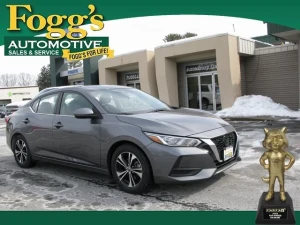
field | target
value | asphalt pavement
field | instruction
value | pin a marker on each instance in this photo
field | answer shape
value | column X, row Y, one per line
column 51, row 187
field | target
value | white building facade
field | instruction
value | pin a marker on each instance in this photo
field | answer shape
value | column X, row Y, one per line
column 17, row 94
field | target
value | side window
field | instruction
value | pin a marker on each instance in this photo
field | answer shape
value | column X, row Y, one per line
column 73, row 101
column 35, row 105
column 47, row 104
column 204, row 88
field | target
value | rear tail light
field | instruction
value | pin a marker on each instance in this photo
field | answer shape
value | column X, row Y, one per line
column 7, row 119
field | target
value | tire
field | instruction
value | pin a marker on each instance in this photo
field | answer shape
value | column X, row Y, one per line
column 22, row 152
column 205, row 103
column 139, row 172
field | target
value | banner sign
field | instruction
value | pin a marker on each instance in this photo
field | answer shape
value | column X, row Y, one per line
column 71, row 43
column 88, row 53
column 203, row 67
column 41, row 46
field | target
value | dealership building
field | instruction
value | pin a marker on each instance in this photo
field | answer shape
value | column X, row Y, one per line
column 209, row 72
column 206, row 73
column 17, row 94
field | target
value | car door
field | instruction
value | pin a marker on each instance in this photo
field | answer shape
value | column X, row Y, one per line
column 38, row 122
column 76, row 140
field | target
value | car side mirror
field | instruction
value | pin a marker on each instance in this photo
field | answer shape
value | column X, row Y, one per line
column 84, row 113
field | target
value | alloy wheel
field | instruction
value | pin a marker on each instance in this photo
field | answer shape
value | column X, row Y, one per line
column 21, row 151
column 129, row 169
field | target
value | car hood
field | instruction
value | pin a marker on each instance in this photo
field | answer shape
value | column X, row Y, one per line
column 181, row 122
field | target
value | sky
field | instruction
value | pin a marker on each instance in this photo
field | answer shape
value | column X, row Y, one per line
column 128, row 35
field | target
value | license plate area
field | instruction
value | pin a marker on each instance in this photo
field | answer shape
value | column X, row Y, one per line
column 228, row 153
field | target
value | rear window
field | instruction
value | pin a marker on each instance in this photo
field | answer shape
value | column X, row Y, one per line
column 47, row 104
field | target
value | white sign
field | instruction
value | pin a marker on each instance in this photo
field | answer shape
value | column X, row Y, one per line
column 203, row 67
column 71, row 72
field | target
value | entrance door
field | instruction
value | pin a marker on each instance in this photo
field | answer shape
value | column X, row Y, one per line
column 136, row 85
column 207, row 93
column 130, row 85
column 193, row 92
column 204, row 92
column 217, row 93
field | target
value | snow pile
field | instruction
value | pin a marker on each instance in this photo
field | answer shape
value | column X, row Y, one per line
column 257, row 105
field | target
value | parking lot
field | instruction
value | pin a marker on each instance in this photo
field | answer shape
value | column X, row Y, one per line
column 53, row 187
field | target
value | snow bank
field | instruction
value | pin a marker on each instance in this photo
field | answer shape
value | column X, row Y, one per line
column 257, row 105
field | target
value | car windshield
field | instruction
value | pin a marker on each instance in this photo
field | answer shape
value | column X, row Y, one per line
column 128, row 101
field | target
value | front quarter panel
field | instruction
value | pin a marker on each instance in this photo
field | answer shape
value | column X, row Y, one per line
column 114, row 131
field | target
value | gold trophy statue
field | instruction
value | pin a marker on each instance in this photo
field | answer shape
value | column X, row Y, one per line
column 275, row 208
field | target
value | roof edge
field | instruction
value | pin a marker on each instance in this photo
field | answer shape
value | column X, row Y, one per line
column 127, row 53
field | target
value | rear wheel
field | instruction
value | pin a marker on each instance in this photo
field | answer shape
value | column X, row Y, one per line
column 131, row 169
column 22, row 152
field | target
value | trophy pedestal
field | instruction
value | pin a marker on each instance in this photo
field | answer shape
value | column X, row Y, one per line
column 275, row 211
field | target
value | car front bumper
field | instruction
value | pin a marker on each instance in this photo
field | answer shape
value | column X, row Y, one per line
column 184, row 164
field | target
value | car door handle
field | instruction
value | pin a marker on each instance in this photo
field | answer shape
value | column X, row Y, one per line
column 58, row 125
column 26, row 120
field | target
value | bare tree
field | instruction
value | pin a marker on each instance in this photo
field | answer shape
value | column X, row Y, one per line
column 22, row 79
column 25, row 79
column 8, row 80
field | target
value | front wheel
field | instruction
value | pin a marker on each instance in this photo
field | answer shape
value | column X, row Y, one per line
column 22, row 152
column 131, row 169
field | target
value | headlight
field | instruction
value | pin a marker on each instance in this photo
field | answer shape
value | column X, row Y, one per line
column 173, row 140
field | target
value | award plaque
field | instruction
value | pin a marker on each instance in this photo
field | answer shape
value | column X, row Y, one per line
column 275, row 207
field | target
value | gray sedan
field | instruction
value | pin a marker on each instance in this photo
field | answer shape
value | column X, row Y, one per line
column 122, row 132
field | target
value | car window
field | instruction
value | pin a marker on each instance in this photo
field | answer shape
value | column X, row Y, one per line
column 35, row 105
column 102, row 96
column 47, row 104
column 127, row 101
column 204, row 88
column 73, row 101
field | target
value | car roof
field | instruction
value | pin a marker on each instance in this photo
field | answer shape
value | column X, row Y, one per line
column 80, row 87
column 85, row 87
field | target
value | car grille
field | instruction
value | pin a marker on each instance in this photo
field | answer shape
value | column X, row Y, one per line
column 224, row 141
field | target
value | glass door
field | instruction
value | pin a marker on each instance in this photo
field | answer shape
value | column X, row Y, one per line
column 130, row 85
column 193, row 92
column 207, row 93
column 217, row 93
column 204, row 92
column 138, row 86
